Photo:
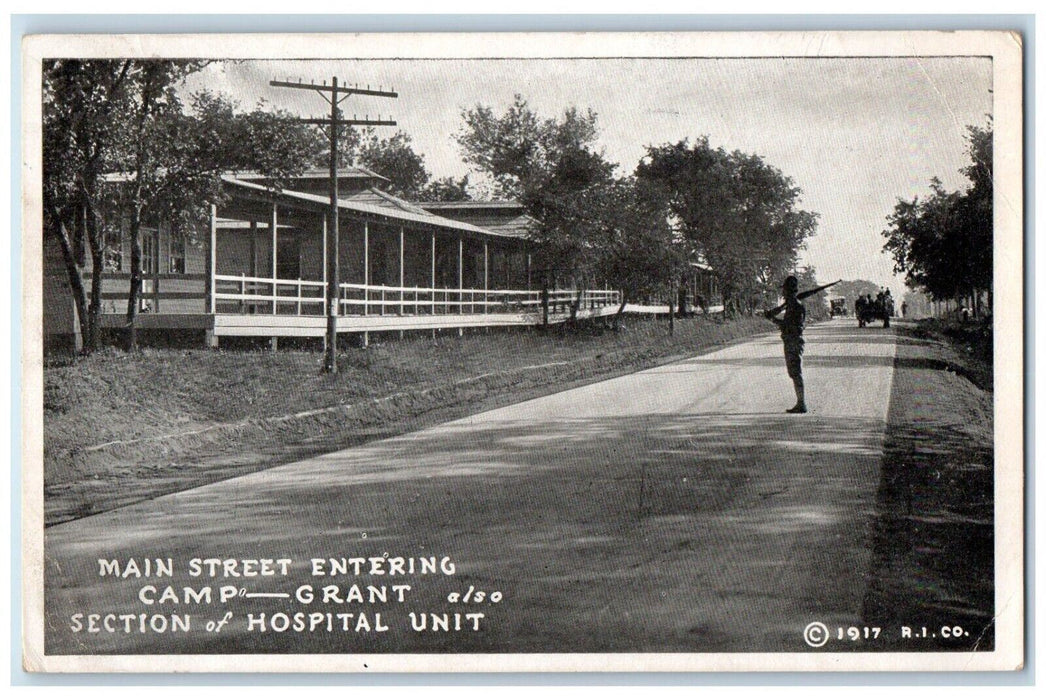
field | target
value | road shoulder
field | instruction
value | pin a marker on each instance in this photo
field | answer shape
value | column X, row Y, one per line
column 934, row 531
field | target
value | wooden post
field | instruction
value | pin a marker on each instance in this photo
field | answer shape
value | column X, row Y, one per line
column 274, row 224
column 366, row 278
column 212, row 256
column 366, row 268
column 330, row 307
column 671, row 310
column 274, row 341
column 544, row 304
column 402, row 293
column 461, row 279
column 332, row 269
column 253, row 272
column 432, row 294
column 528, row 271
column 486, row 276
column 156, row 266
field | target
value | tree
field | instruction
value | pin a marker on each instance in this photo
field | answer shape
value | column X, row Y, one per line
column 549, row 165
column 976, row 213
column 593, row 226
column 576, row 207
column 266, row 140
column 519, row 150
column 180, row 154
column 639, row 253
column 149, row 139
column 943, row 242
column 394, row 158
column 446, row 189
column 106, row 117
column 816, row 304
column 83, row 106
column 738, row 213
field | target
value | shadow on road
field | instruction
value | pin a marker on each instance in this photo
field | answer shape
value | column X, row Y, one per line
column 653, row 531
column 849, row 361
column 638, row 533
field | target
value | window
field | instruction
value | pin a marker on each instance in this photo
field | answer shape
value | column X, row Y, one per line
column 148, row 251
column 176, row 254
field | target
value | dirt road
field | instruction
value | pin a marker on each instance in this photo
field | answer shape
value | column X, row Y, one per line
column 676, row 509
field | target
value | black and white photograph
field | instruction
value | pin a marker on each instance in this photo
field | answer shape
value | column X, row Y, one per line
column 523, row 352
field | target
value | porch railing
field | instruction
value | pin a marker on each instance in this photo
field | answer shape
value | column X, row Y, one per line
column 260, row 295
column 166, row 293
column 264, row 295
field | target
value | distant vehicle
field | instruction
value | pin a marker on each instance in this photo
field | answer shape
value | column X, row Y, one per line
column 880, row 309
column 837, row 307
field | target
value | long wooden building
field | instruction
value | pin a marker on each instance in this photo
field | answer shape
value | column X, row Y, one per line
column 259, row 269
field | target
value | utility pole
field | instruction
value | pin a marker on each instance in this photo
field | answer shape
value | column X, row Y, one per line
column 335, row 94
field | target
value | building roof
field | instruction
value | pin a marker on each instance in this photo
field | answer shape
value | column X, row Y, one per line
column 356, row 172
column 374, row 201
column 472, row 204
column 507, row 217
column 523, row 226
column 375, row 196
column 353, row 171
column 388, row 209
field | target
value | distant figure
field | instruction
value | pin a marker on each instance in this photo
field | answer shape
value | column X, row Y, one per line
column 904, row 309
column 965, row 314
column 861, row 310
column 791, row 327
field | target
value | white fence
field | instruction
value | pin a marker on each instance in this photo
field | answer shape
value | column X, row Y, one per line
column 259, row 295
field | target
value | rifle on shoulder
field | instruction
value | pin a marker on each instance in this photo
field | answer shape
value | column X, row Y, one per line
column 800, row 296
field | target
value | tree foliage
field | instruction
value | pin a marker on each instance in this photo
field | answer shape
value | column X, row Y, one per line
column 84, row 103
column 593, row 225
column 395, row 158
column 816, row 304
column 106, row 117
column 942, row 241
column 446, row 189
column 736, row 211
column 520, row 150
column 641, row 254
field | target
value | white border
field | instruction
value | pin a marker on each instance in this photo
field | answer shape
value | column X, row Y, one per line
column 1005, row 50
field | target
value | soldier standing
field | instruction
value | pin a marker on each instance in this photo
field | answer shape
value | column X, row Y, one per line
column 791, row 326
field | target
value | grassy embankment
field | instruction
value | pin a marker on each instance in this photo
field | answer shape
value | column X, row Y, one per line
column 935, row 528
column 968, row 347
column 122, row 428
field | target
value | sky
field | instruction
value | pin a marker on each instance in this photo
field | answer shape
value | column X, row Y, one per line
column 855, row 134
